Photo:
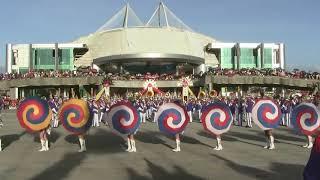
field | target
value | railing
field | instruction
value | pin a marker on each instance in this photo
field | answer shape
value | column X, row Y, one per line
column 220, row 80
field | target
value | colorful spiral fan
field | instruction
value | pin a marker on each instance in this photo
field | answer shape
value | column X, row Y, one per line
column 217, row 118
column 266, row 114
column 172, row 118
column 123, row 118
column 34, row 114
column 75, row 116
column 305, row 118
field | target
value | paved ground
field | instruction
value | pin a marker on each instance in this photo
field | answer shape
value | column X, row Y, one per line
column 243, row 157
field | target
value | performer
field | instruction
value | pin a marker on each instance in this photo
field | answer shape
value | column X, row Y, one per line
column 53, row 105
column 119, row 116
column 44, row 140
column 82, row 142
column 95, row 111
column 241, row 109
column 190, row 109
column 131, row 144
column 311, row 171
column 198, row 108
column 219, row 144
column 249, row 105
column 269, row 139
column 177, row 149
column 102, row 108
column 144, row 112
column 266, row 113
column 309, row 143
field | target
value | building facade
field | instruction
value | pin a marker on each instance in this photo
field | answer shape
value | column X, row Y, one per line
column 125, row 44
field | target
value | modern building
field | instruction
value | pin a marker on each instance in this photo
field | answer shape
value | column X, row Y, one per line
column 164, row 44
column 125, row 43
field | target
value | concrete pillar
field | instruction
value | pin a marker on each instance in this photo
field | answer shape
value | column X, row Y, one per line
column 177, row 70
column 22, row 92
column 31, row 60
column 9, row 58
column 72, row 93
column 238, row 52
column 210, row 87
column 56, row 56
column 64, row 92
column 282, row 56
column 91, row 92
column 262, row 55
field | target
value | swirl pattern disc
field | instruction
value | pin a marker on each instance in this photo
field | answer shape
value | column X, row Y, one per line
column 217, row 118
column 172, row 118
column 123, row 118
column 75, row 116
column 266, row 114
column 305, row 118
column 34, row 114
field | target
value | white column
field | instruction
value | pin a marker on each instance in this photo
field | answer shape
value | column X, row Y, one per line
column 282, row 56
column 64, row 92
column 9, row 58
column 22, row 92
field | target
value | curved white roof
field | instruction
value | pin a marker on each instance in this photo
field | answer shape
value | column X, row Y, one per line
column 168, row 39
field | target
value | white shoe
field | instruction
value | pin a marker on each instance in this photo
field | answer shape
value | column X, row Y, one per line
column 43, row 146
column 272, row 147
column 309, row 146
column 82, row 145
column 176, row 150
column 266, row 147
column 306, row 145
column 129, row 145
column 80, row 150
column 218, row 148
column 133, row 145
column 47, row 145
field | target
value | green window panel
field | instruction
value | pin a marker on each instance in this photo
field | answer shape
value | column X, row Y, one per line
column 267, row 58
column 65, row 56
column 44, row 57
column 226, row 58
column 247, row 58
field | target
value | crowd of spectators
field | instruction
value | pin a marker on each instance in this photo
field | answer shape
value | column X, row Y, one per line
column 295, row 73
column 127, row 76
column 92, row 72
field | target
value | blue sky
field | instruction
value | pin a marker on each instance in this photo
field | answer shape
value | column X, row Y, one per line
column 294, row 22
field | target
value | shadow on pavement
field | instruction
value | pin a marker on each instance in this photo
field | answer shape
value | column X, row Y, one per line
column 62, row 168
column 104, row 141
column 158, row 172
column 54, row 136
column 9, row 139
column 224, row 137
column 151, row 137
column 72, row 139
column 191, row 140
column 278, row 170
column 101, row 141
column 293, row 137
